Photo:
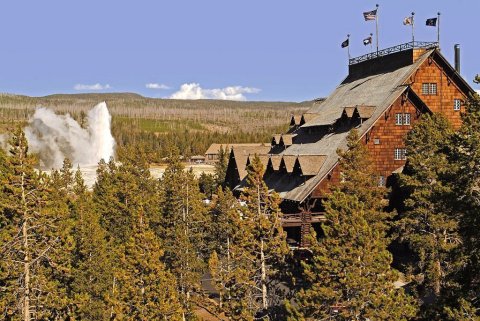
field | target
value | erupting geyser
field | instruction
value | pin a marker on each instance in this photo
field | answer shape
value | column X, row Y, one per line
column 56, row 137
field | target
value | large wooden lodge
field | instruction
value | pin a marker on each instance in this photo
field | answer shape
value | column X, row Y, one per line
column 384, row 94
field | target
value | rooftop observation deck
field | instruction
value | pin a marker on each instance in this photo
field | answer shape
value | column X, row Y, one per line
column 394, row 49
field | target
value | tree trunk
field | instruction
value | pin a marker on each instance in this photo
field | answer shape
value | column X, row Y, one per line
column 26, row 261
column 263, row 277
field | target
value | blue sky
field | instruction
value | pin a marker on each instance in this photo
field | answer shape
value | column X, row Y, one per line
column 261, row 49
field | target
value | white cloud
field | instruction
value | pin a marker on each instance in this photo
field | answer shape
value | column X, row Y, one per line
column 96, row 86
column 194, row 91
column 478, row 91
column 157, row 86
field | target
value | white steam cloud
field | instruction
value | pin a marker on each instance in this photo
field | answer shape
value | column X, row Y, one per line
column 56, row 137
column 194, row 91
column 157, row 86
column 96, row 86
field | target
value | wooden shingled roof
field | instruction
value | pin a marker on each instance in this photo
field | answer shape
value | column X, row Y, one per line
column 275, row 160
column 241, row 154
column 295, row 120
column 311, row 164
column 365, row 111
column 287, row 139
column 263, row 160
column 276, row 139
column 349, row 111
column 307, row 117
column 289, row 161
column 373, row 93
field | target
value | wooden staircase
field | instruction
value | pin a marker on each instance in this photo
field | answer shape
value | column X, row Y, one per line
column 305, row 227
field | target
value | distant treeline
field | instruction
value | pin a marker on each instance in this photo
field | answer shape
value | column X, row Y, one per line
column 157, row 124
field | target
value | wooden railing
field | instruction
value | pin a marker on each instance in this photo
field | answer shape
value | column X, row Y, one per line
column 292, row 220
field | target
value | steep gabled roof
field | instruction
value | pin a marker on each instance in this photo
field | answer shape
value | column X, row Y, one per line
column 241, row 154
column 287, row 139
column 374, row 90
column 374, row 93
column 311, row 164
column 275, row 160
column 289, row 161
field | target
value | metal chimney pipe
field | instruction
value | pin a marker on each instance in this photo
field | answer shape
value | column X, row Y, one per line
column 457, row 57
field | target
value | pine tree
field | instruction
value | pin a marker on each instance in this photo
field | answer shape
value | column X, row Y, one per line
column 126, row 197
column 221, row 166
column 182, row 226
column 227, row 263
column 268, row 247
column 34, row 251
column 360, row 179
column 429, row 225
column 349, row 276
column 465, row 159
column 144, row 289
column 92, row 266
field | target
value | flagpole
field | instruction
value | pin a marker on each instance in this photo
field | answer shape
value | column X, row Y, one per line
column 413, row 29
column 348, row 48
column 371, row 42
column 376, row 27
column 438, row 30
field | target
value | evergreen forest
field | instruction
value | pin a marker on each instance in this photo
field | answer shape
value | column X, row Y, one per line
column 138, row 248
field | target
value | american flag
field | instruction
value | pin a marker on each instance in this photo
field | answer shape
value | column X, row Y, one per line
column 370, row 15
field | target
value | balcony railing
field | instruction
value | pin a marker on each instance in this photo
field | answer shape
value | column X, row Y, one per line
column 397, row 48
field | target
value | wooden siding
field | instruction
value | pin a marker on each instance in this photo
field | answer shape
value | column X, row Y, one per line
column 447, row 91
column 390, row 136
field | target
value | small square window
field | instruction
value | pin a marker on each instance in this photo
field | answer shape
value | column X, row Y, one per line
column 457, row 103
column 398, row 119
column 429, row 89
column 381, row 181
column 406, row 119
column 400, row 154
column 376, row 141
column 425, row 88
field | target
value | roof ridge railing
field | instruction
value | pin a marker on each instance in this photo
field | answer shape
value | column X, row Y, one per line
column 397, row 48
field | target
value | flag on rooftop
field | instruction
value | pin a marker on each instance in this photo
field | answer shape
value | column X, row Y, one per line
column 345, row 43
column 408, row 21
column 370, row 15
column 432, row 22
column 367, row 41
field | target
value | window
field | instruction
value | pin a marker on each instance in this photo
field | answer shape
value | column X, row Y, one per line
column 400, row 154
column 376, row 141
column 457, row 103
column 402, row 119
column 425, row 89
column 429, row 88
column 381, row 181
column 398, row 119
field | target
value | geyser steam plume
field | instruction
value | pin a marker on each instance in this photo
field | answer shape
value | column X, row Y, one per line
column 56, row 137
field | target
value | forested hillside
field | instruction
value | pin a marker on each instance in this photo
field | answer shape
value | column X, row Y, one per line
column 158, row 124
